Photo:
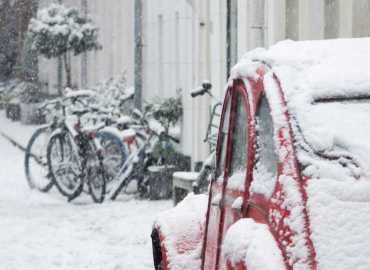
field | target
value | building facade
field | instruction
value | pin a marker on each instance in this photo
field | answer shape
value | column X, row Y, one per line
column 115, row 20
column 187, row 41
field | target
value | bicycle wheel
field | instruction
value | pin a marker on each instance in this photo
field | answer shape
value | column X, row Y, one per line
column 95, row 174
column 64, row 165
column 128, row 172
column 35, row 162
column 114, row 155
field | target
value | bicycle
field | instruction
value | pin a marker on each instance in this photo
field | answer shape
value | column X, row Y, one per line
column 75, row 155
column 35, row 162
column 120, row 138
column 201, row 183
column 138, row 161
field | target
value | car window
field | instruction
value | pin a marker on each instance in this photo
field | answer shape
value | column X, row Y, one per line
column 224, row 130
column 240, row 138
column 265, row 168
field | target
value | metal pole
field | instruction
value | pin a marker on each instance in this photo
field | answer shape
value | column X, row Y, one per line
column 84, row 55
column 60, row 70
column 138, row 28
column 231, row 34
column 228, row 38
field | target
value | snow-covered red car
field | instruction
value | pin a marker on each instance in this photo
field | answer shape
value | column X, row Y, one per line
column 291, row 188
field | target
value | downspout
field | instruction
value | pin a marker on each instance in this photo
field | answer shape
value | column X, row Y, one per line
column 138, row 28
column 231, row 34
column 60, row 70
column 228, row 38
column 84, row 55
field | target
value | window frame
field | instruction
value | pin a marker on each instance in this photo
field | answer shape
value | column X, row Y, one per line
column 220, row 144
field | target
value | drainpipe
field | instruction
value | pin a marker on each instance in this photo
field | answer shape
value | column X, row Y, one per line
column 228, row 38
column 60, row 71
column 138, row 28
column 231, row 34
column 84, row 55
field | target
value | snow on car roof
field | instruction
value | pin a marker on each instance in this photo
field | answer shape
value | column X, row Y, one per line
column 323, row 82
column 312, row 73
column 339, row 190
column 320, row 68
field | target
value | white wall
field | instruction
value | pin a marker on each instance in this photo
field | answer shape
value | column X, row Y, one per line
column 174, row 59
column 115, row 21
column 185, row 43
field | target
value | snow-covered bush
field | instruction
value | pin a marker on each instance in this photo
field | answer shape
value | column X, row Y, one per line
column 167, row 111
column 58, row 30
column 20, row 91
column 116, row 94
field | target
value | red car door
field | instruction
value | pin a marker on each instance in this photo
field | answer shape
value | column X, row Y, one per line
column 211, row 239
column 239, row 167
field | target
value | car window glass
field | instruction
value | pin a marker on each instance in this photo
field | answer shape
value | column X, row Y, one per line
column 265, row 168
column 240, row 138
column 223, row 140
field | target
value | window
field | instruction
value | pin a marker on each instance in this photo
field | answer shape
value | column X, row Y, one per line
column 240, row 133
column 265, row 168
column 223, row 140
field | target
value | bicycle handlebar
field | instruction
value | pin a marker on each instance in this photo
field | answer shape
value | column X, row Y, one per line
column 173, row 138
column 200, row 91
column 165, row 136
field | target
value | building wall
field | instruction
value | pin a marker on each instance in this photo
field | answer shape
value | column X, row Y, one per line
column 174, row 60
column 115, row 21
column 184, row 43
column 259, row 23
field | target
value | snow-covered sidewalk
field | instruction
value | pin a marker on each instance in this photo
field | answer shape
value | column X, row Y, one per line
column 43, row 231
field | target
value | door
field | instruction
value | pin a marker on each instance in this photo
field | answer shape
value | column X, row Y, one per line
column 210, row 245
column 235, row 180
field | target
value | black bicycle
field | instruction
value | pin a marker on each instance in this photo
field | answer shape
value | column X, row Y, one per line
column 201, row 183
column 35, row 162
column 75, row 156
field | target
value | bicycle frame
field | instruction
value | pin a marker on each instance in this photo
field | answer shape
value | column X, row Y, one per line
column 122, row 177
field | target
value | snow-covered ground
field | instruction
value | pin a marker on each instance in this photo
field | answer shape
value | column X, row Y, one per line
column 43, row 231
